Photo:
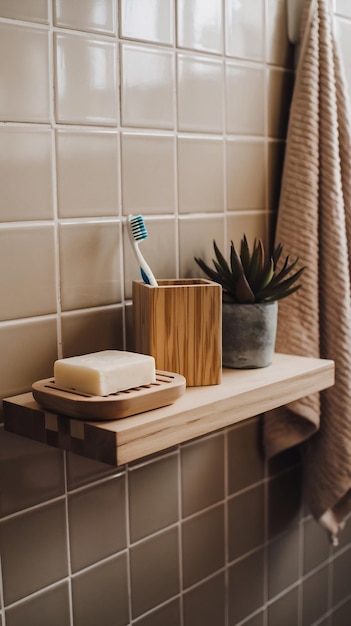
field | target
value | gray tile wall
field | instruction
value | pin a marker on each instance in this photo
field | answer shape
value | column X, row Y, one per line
column 205, row 534
column 182, row 538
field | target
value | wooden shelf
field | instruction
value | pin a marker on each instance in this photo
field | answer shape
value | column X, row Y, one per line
column 201, row 410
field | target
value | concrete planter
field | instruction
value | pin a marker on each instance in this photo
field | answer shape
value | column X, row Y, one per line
column 248, row 334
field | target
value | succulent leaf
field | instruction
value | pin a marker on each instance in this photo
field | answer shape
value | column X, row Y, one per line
column 276, row 254
column 207, row 270
column 243, row 291
column 267, row 275
column 280, row 288
column 244, row 252
column 286, row 269
column 223, row 271
column 220, row 259
column 252, row 275
column 256, row 265
column 280, row 295
column 236, row 262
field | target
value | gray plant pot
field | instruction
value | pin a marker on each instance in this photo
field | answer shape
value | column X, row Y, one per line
column 248, row 334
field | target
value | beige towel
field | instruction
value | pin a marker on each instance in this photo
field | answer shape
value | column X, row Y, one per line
column 314, row 223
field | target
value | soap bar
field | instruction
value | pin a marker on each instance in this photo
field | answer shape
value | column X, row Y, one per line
column 105, row 372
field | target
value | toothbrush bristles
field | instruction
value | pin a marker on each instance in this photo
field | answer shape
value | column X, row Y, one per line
column 138, row 228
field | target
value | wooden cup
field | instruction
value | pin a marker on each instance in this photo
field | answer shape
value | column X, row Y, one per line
column 179, row 323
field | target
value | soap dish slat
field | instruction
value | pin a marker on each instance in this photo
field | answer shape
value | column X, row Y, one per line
column 167, row 388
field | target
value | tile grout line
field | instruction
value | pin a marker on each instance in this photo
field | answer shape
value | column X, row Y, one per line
column 37, row 593
column 40, row 505
column 266, row 543
column 175, row 142
column 68, row 542
column 226, row 527
column 301, row 549
column 100, row 481
column 154, row 609
column 224, row 135
column 33, row 507
column 119, row 180
column 169, row 600
column 330, row 580
column 265, row 122
column 2, row 600
column 180, row 536
column 128, row 547
column 52, row 106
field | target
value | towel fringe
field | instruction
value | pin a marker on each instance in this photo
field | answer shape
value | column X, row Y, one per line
column 332, row 525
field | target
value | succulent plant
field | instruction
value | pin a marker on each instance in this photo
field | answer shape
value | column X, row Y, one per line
column 252, row 276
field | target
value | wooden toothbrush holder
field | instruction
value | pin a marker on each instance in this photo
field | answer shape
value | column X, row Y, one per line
column 179, row 323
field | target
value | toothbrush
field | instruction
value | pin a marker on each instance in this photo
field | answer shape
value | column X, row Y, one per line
column 137, row 232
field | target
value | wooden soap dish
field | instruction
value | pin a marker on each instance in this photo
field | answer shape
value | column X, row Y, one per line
column 167, row 388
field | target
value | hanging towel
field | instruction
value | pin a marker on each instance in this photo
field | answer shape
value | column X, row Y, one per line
column 314, row 224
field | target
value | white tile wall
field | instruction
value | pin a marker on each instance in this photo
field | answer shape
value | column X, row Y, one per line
column 85, row 80
column 89, row 262
column 147, row 87
column 148, row 173
column 148, row 20
column 25, row 85
column 87, row 166
column 200, row 25
column 114, row 107
column 26, row 173
column 99, row 17
column 245, row 115
column 200, row 89
column 31, row 10
column 109, row 108
column 200, row 174
column 245, row 191
column 244, row 32
column 22, row 250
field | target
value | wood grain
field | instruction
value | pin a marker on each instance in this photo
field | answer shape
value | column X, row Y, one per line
column 180, row 324
column 201, row 410
column 167, row 388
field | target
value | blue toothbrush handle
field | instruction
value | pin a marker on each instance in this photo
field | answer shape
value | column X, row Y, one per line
column 144, row 277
